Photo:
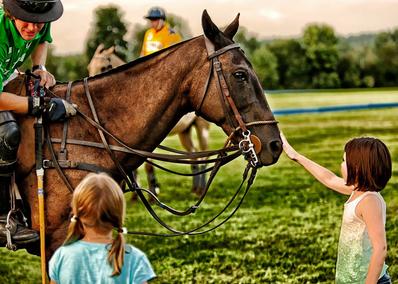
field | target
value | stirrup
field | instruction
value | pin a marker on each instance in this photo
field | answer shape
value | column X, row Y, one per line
column 9, row 244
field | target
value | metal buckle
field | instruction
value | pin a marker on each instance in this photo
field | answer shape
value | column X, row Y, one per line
column 247, row 148
column 47, row 164
column 65, row 164
column 217, row 65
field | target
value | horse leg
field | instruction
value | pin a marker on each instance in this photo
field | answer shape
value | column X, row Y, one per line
column 134, row 196
column 187, row 143
column 202, row 130
column 151, row 178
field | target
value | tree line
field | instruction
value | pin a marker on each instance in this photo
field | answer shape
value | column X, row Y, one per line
column 316, row 59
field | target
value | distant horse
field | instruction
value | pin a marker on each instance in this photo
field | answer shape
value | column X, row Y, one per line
column 231, row 97
column 106, row 59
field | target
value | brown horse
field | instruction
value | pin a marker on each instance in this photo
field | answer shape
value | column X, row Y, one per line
column 106, row 59
column 126, row 106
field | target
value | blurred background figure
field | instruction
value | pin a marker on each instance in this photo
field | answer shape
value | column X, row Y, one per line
column 160, row 35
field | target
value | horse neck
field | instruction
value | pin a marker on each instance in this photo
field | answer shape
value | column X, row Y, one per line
column 140, row 103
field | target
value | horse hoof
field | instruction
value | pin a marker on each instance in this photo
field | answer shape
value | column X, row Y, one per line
column 197, row 191
column 134, row 197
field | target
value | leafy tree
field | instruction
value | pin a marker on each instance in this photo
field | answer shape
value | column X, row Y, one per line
column 368, row 66
column 386, row 50
column 135, row 43
column 64, row 68
column 348, row 66
column 109, row 29
column 249, row 43
column 320, row 45
column 292, row 68
column 266, row 67
column 180, row 25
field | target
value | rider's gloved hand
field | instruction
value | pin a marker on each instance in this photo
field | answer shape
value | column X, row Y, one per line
column 57, row 109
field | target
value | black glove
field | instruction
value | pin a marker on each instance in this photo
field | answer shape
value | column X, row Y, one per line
column 59, row 109
column 56, row 109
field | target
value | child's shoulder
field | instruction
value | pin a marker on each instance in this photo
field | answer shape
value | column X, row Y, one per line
column 372, row 196
column 130, row 249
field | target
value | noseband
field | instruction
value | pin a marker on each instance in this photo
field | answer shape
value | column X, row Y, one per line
column 250, row 145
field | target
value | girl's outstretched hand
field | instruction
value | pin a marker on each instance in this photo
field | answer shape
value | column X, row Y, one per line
column 289, row 150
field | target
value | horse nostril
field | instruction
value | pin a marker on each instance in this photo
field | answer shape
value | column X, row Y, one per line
column 275, row 146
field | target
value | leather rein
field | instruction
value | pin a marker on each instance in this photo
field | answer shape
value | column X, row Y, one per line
column 224, row 156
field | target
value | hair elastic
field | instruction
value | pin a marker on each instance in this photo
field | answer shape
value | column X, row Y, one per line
column 73, row 219
column 122, row 230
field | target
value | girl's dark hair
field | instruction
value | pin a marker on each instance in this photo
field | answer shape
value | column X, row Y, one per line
column 368, row 164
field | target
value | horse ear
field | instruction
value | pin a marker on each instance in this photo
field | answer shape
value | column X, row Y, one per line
column 109, row 51
column 100, row 47
column 231, row 30
column 209, row 28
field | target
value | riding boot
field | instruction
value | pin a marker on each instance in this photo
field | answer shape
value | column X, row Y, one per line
column 9, row 221
column 20, row 234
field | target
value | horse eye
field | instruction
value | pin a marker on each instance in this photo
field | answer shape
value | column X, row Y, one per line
column 240, row 76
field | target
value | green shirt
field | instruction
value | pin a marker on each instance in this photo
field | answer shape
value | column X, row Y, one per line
column 14, row 49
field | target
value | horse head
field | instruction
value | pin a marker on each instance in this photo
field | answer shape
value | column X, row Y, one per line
column 103, row 60
column 233, row 97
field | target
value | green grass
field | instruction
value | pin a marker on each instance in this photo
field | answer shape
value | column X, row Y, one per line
column 287, row 229
column 334, row 97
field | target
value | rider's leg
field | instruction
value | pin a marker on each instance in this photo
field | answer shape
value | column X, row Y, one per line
column 10, row 137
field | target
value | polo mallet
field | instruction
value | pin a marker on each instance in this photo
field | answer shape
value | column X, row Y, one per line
column 40, row 184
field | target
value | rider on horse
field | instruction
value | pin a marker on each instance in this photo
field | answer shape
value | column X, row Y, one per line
column 160, row 35
column 24, row 32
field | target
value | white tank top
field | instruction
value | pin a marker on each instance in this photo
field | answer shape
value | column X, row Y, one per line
column 355, row 248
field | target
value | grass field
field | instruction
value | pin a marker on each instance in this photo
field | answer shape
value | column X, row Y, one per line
column 287, row 229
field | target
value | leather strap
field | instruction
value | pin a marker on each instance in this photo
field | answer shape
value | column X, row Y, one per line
column 225, row 91
column 63, row 154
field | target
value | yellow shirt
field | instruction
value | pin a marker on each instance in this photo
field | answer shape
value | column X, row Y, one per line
column 156, row 40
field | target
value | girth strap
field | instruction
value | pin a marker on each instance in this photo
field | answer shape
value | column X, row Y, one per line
column 67, row 164
column 63, row 154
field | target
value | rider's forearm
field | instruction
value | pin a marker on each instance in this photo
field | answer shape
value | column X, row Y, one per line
column 323, row 175
column 14, row 103
column 39, row 55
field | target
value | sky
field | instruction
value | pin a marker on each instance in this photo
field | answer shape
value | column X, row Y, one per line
column 266, row 18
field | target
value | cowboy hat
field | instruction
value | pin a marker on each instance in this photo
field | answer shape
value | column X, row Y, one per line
column 34, row 11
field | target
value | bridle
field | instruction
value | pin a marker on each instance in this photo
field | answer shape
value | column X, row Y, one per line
column 250, row 145
column 246, row 147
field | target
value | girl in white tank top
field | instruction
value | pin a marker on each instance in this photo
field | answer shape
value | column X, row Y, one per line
column 366, row 169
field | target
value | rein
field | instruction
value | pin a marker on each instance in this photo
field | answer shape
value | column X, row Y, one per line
column 246, row 147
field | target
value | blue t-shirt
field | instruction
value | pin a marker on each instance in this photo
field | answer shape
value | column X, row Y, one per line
column 84, row 262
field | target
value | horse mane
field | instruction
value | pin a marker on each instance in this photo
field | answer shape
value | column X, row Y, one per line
column 139, row 60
